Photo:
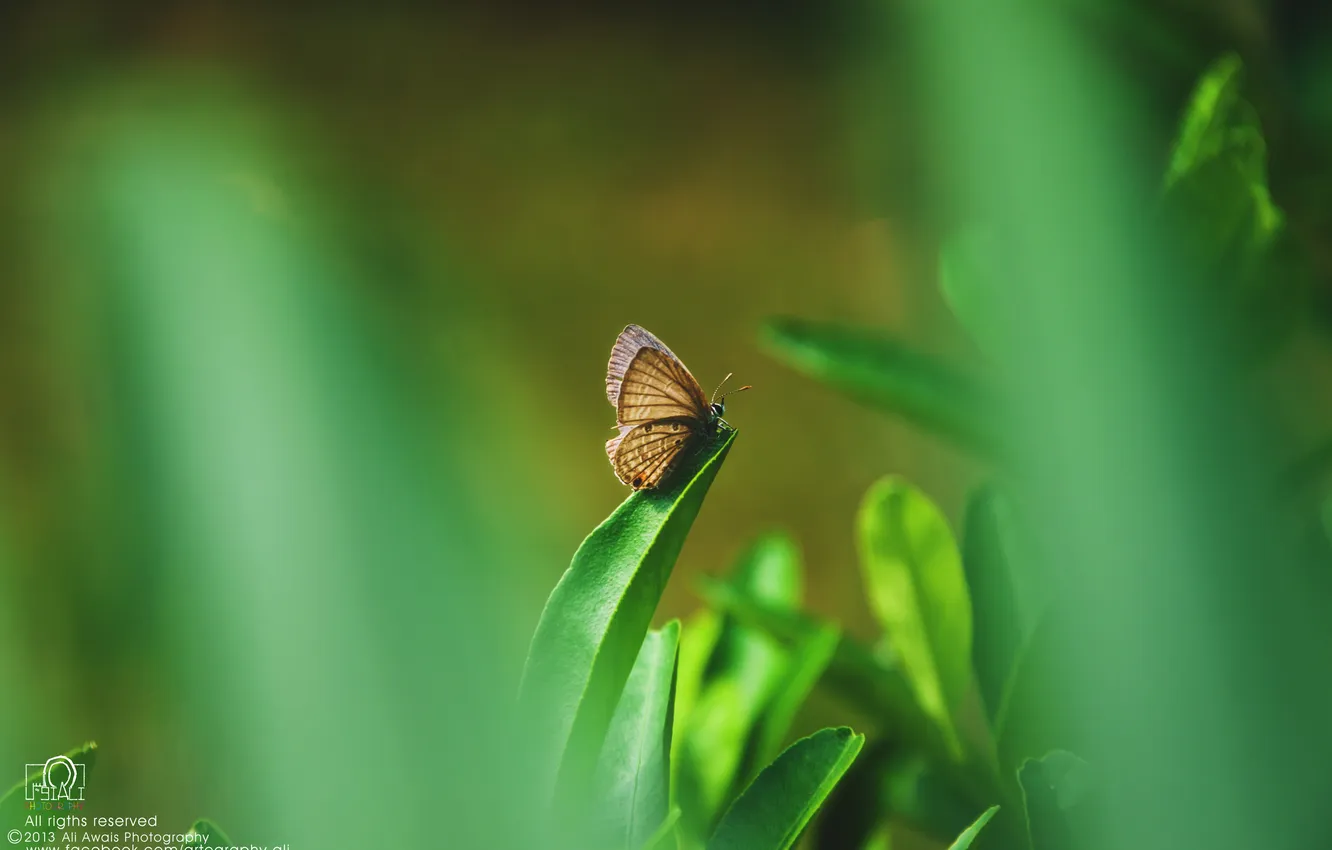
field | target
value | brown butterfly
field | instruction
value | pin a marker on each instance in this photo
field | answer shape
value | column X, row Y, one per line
column 659, row 408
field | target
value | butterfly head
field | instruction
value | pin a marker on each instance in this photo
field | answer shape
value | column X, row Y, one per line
column 718, row 406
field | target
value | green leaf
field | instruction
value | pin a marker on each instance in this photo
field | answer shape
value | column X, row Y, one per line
column 1218, row 209
column 1003, row 612
column 1034, row 717
column 213, row 835
column 1054, row 788
column 855, row 672
column 916, row 587
column 698, row 639
column 13, row 806
column 664, row 836
column 917, row 792
column 593, row 624
column 1214, row 112
column 854, row 811
column 769, row 569
column 806, row 666
column 892, row 782
column 747, row 669
column 873, row 685
column 879, row 371
column 632, row 785
column 969, row 835
column 777, row 805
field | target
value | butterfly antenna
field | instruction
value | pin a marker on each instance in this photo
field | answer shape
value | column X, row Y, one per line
column 736, row 390
column 722, row 384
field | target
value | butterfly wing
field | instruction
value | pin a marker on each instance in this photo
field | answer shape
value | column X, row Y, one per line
column 658, row 386
column 632, row 340
column 643, row 455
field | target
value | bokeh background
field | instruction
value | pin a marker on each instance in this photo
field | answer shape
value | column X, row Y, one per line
column 304, row 314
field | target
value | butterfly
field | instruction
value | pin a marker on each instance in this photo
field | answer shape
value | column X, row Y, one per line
column 660, row 409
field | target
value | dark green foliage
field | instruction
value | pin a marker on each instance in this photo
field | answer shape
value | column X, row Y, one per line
column 777, row 805
column 999, row 634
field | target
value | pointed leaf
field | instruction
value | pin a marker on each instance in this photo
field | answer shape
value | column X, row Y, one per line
column 1214, row 111
column 855, row 810
column 781, row 800
column 1005, row 602
column 892, row 782
column 915, row 584
column 879, row 371
column 633, row 774
column 595, row 619
column 747, row 669
column 969, row 835
column 1219, row 213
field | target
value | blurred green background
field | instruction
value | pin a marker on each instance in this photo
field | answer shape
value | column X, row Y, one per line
column 304, row 315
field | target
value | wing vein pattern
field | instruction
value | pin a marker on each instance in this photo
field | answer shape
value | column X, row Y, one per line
column 660, row 408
